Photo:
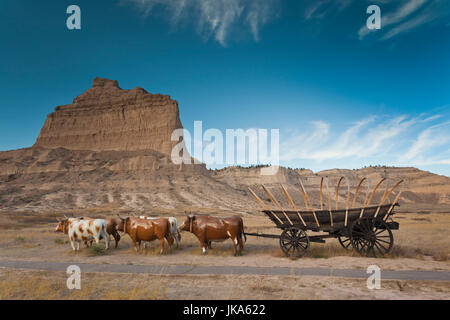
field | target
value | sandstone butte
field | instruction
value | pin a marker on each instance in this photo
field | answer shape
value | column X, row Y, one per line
column 106, row 117
column 110, row 150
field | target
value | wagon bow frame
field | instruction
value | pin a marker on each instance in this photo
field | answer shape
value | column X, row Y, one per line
column 366, row 229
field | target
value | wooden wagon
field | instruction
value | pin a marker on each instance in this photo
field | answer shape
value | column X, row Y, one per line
column 367, row 229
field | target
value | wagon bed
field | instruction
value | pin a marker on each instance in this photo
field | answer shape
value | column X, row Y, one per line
column 365, row 229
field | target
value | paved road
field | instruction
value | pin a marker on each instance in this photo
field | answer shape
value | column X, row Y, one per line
column 222, row 270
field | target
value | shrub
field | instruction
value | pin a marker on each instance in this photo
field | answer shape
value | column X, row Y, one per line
column 97, row 250
column 59, row 241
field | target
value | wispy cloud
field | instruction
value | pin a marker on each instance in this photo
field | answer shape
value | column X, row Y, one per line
column 406, row 15
column 215, row 17
column 402, row 140
column 321, row 9
column 437, row 136
column 397, row 17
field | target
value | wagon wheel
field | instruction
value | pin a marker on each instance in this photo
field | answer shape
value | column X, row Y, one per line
column 294, row 242
column 345, row 242
column 371, row 237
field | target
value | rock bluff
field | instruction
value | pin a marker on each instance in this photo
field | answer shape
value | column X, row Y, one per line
column 106, row 118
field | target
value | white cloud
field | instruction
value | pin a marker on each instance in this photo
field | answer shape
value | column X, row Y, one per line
column 215, row 17
column 374, row 140
column 429, row 139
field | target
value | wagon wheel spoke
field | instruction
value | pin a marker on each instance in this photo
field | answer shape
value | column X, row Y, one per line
column 345, row 242
column 381, row 240
column 371, row 237
column 380, row 247
column 294, row 242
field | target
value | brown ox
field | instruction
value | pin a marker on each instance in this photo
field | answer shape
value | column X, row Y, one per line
column 208, row 229
column 146, row 230
column 110, row 228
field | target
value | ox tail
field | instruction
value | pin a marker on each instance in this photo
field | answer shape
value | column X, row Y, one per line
column 241, row 224
column 169, row 233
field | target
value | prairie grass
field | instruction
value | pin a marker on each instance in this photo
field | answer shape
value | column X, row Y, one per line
column 26, row 285
column 41, row 285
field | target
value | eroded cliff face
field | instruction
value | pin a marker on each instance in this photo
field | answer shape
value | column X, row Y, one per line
column 106, row 117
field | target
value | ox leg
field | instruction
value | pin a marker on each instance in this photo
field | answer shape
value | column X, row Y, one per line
column 72, row 244
column 170, row 241
column 134, row 244
column 178, row 238
column 241, row 244
column 116, row 238
column 204, row 247
column 106, row 236
column 162, row 245
column 235, row 242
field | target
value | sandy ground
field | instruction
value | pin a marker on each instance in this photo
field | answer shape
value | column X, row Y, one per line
column 422, row 243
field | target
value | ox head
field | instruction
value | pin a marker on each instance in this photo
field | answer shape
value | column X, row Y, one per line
column 122, row 224
column 62, row 225
column 188, row 223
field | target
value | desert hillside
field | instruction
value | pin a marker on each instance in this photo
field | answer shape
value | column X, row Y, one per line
column 420, row 189
column 111, row 149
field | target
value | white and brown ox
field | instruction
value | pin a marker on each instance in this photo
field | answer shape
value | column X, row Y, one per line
column 173, row 224
column 84, row 230
column 111, row 224
column 207, row 229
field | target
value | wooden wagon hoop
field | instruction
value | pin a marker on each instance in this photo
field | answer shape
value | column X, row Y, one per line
column 371, row 196
column 306, row 200
column 263, row 205
column 346, row 201
column 292, row 204
column 357, row 190
column 392, row 206
column 272, row 198
column 386, row 196
column 321, row 194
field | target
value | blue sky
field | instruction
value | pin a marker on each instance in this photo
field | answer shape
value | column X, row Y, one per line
column 342, row 97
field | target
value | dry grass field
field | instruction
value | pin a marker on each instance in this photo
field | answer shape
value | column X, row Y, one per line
column 52, row 285
column 422, row 243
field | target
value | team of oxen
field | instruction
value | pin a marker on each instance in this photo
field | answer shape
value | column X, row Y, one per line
column 145, row 229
